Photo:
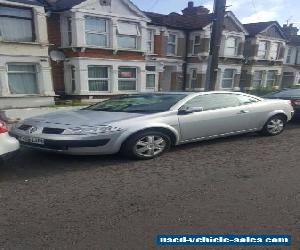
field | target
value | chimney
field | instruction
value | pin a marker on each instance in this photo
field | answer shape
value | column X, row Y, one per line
column 194, row 10
column 290, row 30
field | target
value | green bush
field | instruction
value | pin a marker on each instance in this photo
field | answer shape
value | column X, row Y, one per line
column 260, row 91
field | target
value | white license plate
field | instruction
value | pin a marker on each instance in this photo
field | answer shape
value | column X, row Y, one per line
column 34, row 140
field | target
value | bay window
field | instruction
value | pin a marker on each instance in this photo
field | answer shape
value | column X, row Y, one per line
column 22, row 78
column 172, row 42
column 231, row 46
column 98, row 78
column 96, row 31
column 274, row 51
column 271, row 78
column 150, row 41
column 16, row 24
column 228, row 78
column 69, row 30
column 127, row 79
column 197, row 46
column 262, row 50
column 128, row 34
column 289, row 55
column 258, row 78
column 193, row 83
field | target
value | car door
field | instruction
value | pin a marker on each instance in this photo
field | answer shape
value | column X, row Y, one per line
column 221, row 115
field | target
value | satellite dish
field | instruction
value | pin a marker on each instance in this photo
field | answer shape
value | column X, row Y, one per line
column 57, row 56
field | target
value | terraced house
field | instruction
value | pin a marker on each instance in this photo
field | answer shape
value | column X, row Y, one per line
column 291, row 69
column 25, row 72
column 100, row 48
column 264, row 55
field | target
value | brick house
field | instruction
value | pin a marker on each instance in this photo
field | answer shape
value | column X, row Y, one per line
column 291, row 67
column 105, row 44
column 112, row 47
column 264, row 53
column 25, row 72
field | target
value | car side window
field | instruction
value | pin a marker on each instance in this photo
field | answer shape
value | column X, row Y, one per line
column 246, row 100
column 212, row 101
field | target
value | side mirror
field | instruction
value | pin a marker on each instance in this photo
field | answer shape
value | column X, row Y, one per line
column 191, row 110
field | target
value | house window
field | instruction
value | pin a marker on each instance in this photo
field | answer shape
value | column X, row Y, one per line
column 98, row 78
column 289, row 55
column 96, row 31
column 231, row 46
column 228, row 78
column 127, row 79
column 73, row 78
column 274, row 51
column 22, row 79
column 196, row 47
column 128, row 34
column 193, row 78
column 16, row 24
column 150, row 41
column 171, row 49
column 257, row 78
column 271, row 78
column 69, row 26
column 262, row 50
column 150, row 81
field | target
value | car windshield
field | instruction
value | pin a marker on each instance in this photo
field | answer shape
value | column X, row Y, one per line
column 148, row 103
column 285, row 93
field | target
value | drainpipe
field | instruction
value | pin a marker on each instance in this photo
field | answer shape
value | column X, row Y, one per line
column 187, row 35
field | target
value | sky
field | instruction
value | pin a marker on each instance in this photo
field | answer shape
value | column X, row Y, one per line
column 246, row 10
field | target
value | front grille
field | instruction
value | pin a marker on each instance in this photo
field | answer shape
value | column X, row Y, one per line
column 53, row 131
column 25, row 127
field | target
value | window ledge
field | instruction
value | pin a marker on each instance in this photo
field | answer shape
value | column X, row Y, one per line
column 25, row 43
column 27, row 95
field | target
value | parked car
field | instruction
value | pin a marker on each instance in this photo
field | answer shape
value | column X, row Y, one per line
column 146, row 125
column 288, row 94
column 8, row 144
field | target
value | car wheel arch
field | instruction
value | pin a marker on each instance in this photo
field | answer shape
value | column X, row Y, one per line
column 174, row 138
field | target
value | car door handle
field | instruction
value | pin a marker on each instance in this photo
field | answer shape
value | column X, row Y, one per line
column 243, row 112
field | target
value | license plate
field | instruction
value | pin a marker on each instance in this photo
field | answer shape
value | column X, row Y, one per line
column 33, row 140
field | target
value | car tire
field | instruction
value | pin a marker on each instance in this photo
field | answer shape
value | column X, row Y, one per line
column 274, row 126
column 146, row 145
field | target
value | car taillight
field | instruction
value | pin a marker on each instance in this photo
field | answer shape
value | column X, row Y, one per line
column 3, row 128
column 295, row 102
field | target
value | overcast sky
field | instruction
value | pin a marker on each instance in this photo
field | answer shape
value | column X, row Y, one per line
column 246, row 10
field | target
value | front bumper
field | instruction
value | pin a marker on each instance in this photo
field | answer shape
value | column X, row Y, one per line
column 76, row 146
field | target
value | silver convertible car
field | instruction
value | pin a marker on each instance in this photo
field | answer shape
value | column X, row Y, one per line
column 146, row 125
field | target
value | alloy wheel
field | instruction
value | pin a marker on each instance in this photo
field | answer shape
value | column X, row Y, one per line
column 275, row 126
column 150, row 146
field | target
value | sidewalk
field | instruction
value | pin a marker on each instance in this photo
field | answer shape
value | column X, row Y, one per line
column 15, row 115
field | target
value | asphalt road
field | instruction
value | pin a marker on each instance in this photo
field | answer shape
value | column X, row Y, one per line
column 241, row 185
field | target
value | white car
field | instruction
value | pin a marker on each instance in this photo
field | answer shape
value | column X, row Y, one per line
column 8, row 144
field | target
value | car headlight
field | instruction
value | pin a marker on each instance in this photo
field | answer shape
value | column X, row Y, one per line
column 97, row 130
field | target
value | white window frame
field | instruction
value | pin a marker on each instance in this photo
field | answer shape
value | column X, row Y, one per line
column 196, row 44
column 265, row 55
column 128, row 79
column 108, row 79
column 232, row 79
column 136, row 37
column 277, row 50
column 170, row 43
column 22, row 72
column 155, row 76
column 106, row 33
column 236, row 46
column 289, row 55
column 150, row 42
column 193, row 77
column 260, row 81
column 31, row 19
column 69, row 31
column 269, row 80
